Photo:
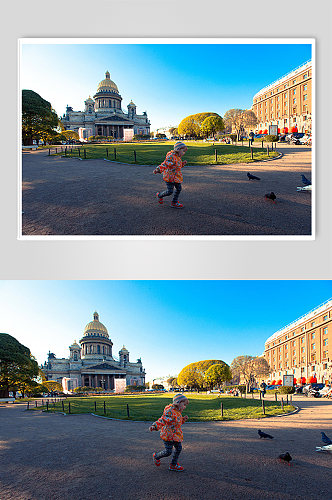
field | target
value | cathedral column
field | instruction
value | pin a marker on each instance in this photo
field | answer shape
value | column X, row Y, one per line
column 90, row 383
column 96, row 380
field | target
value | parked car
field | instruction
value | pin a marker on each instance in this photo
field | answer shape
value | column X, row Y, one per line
column 272, row 387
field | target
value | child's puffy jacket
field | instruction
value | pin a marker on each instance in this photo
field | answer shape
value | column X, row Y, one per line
column 170, row 424
column 171, row 168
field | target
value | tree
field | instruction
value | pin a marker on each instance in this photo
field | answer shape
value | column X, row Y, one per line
column 192, row 375
column 211, row 125
column 191, row 125
column 39, row 120
column 173, row 131
column 70, row 135
column 17, row 366
column 52, row 386
column 217, row 374
column 249, row 367
column 249, row 119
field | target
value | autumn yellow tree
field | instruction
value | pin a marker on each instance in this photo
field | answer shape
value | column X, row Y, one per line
column 193, row 374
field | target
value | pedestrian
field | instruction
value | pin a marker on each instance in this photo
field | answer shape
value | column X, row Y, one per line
column 172, row 175
column 263, row 388
column 171, row 432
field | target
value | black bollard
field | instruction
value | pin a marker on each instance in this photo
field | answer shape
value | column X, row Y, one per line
column 128, row 410
column 66, row 151
column 114, row 153
column 276, row 397
column 84, row 153
column 222, row 409
column 28, row 405
column 216, row 155
column 282, row 404
column 252, row 152
column 68, row 406
column 49, row 151
column 135, row 156
column 36, row 404
column 95, row 405
column 56, row 150
column 63, row 406
column 262, row 144
column 287, row 399
column 106, row 152
column 268, row 151
column 47, row 405
column 79, row 152
column 104, row 408
column 263, row 406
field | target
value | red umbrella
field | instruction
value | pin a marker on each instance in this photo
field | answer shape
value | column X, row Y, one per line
column 294, row 130
column 285, row 130
column 295, row 381
column 260, row 132
column 303, row 380
column 312, row 380
column 273, row 382
column 265, row 131
column 278, row 130
column 279, row 382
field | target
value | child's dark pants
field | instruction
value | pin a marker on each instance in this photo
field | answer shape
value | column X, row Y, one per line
column 168, row 451
column 169, row 190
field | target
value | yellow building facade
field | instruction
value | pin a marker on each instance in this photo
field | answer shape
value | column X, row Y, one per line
column 304, row 347
column 286, row 102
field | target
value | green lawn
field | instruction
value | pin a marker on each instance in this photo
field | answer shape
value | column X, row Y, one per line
column 150, row 407
column 199, row 153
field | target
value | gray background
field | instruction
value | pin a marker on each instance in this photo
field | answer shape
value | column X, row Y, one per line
column 164, row 259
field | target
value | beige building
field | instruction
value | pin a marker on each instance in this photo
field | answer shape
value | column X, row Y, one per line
column 287, row 102
column 303, row 348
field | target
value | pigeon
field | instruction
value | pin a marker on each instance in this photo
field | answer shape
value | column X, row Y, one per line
column 253, row 177
column 264, row 435
column 305, row 181
column 271, row 196
column 285, row 457
column 327, row 448
column 325, row 438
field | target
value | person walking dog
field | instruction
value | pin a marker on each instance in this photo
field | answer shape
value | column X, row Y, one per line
column 172, row 175
column 171, row 432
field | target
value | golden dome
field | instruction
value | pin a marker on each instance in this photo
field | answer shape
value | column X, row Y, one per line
column 107, row 85
column 95, row 327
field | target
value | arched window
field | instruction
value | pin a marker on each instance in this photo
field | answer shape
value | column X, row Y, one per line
column 75, row 356
column 103, row 350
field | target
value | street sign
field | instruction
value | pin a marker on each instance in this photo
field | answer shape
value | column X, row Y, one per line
column 273, row 129
column 288, row 380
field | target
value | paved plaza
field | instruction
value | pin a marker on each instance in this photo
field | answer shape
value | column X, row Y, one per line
column 95, row 197
column 82, row 457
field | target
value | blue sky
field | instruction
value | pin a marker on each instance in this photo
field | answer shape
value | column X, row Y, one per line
column 169, row 324
column 169, row 81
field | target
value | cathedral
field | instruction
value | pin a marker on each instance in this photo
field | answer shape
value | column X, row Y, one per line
column 92, row 364
column 103, row 115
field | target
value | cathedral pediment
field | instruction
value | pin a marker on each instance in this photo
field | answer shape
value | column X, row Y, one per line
column 113, row 118
column 104, row 366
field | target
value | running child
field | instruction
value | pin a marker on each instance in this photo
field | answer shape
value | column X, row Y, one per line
column 172, row 175
column 171, row 433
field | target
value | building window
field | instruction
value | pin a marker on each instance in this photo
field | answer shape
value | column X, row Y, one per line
column 294, row 91
column 294, row 343
column 286, row 337
column 305, row 97
column 325, row 354
column 302, row 349
column 294, row 352
column 325, row 342
column 294, row 100
column 305, row 87
column 313, row 335
column 294, row 81
column 286, row 346
column 313, row 346
column 313, row 323
column 303, row 360
column 305, row 75
column 325, row 331
column 302, row 329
